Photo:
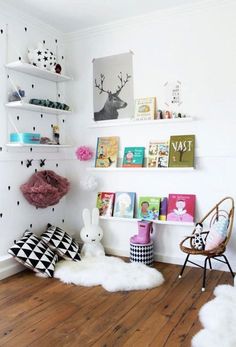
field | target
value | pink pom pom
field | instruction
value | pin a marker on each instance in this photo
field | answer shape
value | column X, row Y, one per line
column 84, row 153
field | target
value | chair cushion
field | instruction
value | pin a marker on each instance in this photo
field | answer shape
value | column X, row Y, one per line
column 217, row 234
column 33, row 253
column 61, row 243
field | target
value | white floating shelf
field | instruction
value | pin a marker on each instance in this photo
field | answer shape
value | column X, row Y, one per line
column 36, row 71
column 20, row 105
column 117, row 122
column 22, row 145
column 118, row 219
column 140, row 169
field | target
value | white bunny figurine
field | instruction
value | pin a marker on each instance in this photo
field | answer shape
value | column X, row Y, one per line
column 91, row 234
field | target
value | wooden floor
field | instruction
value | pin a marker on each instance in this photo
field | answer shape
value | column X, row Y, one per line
column 39, row 312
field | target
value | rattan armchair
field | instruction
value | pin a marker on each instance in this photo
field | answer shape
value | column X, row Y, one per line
column 223, row 209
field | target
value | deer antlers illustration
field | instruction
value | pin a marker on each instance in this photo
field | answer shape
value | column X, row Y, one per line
column 100, row 87
column 122, row 82
column 119, row 88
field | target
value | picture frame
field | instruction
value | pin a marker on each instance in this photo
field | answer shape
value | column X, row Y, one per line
column 113, row 87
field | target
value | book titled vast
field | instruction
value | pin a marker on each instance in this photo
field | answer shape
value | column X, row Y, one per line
column 145, row 108
column 158, row 153
column 107, row 151
column 105, row 203
column 181, row 207
column 149, row 207
column 133, row 156
column 124, row 204
column 181, row 152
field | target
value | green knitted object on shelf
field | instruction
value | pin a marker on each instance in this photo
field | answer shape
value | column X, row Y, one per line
column 49, row 103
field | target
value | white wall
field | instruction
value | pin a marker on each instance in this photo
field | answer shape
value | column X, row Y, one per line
column 16, row 213
column 195, row 45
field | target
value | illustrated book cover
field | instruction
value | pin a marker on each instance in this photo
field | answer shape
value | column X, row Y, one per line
column 145, row 108
column 133, row 156
column 181, row 152
column 107, row 151
column 158, row 154
column 149, row 207
column 181, row 207
column 124, row 204
column 105, row 203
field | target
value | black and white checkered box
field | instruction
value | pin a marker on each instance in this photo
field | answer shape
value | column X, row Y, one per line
column 141, row 253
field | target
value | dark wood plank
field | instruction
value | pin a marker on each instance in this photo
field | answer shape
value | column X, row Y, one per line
column 156, row 298
column 39, row 312
column 193, row 324
column 177, row 327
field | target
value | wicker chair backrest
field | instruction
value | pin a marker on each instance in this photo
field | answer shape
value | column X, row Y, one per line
column 216, row 213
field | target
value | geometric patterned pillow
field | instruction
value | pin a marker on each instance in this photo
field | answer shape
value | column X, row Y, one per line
column 61, row 243
column 32, row 252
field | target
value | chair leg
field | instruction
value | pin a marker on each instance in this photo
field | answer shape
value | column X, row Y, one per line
column 204, row 274
column 209, row 259
column 227, row 262
column 182, row 270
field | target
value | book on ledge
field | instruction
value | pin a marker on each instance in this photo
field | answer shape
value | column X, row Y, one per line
column 107, row 151
column 105, row 203
column 158, row 154
column 133, row 157
column 145, row 108
column 181, row 152
column 149, row 207
column 181, row 207
column 124, row 205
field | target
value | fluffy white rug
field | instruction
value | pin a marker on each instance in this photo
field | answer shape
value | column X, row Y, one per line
column 110, row 272
column 218, row 318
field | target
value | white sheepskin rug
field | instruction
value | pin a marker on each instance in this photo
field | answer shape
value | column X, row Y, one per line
column 218, row 318
column 110, row 272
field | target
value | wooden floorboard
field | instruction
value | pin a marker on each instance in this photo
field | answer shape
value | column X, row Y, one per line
column 38, row 312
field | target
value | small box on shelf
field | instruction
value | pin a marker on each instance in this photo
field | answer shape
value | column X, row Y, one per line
column 25, row 138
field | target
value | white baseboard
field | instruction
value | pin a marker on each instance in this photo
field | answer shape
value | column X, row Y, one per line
column 9, row 267
column 157, row 257
column 162, row 258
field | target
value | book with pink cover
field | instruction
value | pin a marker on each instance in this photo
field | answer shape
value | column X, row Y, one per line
column 181, row 208
column 105, row 202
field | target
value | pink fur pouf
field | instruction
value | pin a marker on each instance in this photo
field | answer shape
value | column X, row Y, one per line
column 84, row 153
column 45, row 188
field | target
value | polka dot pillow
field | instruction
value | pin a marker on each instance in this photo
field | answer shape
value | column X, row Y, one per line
column 217, row 234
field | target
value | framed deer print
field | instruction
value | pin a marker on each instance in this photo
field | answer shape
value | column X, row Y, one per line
column 113, row 87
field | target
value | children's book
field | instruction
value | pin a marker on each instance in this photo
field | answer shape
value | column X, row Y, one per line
column 181, row 152
column 162, row 154
column 105, row 203
column 133, row 156
column 124, row 205
column 107, row 151
column 163, row 209
column 152, row 154
column 149, row 207
column 145, row 108
column 158, row 153
column 181, row 207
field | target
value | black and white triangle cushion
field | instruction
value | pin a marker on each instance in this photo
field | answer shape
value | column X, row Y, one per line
column 61, row 243
column 32, row 252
